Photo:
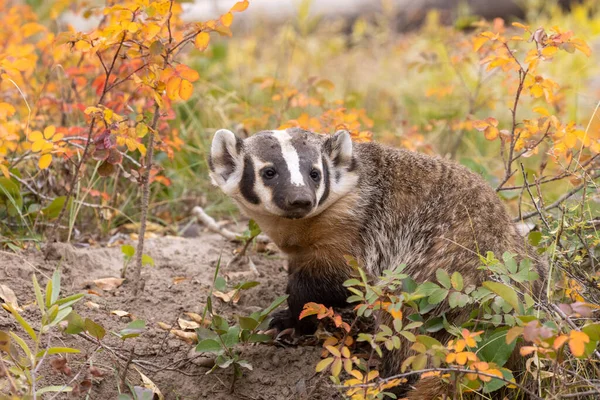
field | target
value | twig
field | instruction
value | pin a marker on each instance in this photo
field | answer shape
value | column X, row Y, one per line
column 212, row 225
column 560, row 200
column 127, row 364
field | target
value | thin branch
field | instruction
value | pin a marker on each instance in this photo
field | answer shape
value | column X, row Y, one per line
column 559, row 201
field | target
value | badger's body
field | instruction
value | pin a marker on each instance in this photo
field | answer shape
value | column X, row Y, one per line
column 383, row 206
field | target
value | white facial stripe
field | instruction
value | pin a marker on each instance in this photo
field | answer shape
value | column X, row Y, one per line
column 290, row 155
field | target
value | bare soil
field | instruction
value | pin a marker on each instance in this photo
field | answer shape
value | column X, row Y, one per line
column 178, row 283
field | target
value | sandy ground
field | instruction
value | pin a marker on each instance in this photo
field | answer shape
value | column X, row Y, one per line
column 178, row 283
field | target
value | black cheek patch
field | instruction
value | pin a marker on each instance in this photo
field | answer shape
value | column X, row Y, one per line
column 247, row 182
column 325, row 182
column 338, row 176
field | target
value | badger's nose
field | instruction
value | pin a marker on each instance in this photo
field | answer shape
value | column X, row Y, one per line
column 299, row 200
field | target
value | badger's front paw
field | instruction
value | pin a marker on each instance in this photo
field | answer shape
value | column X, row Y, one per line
column 282, row 320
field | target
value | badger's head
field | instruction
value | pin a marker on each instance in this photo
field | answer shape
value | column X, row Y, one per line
column 287, row 173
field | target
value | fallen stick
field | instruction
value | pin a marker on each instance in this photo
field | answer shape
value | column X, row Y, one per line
column 211, row 224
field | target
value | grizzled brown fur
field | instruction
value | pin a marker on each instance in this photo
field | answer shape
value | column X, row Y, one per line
column 406, row 208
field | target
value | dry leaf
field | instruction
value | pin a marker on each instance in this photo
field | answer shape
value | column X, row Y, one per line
column 178, row 279
column 92, row 305
column 198, row 318
column 121, row 313
column 109, row 283
column 148, row 384
column 226, row 297
column 8, row 296
column 90, row 291
column 164, row 326
column 187, row 325
column 189, row 337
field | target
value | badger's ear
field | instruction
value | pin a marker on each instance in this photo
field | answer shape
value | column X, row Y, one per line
column 225, row 155
column 339, row 149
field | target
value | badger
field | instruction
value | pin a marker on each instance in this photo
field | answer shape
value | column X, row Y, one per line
column 323, row 197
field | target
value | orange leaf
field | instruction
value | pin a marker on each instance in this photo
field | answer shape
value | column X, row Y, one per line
column 227, row 19
column 577, row 341
column 185, row 89
column 6, row 110
column 202, row 41
column 519, row 25
column 240, row 6
column 559, row 341
column 491, row 133
column 186, row 72
column 173, row 85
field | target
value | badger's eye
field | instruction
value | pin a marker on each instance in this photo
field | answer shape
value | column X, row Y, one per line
column 269, row 173
column 315, row 175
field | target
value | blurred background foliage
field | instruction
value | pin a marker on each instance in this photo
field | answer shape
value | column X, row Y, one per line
column 419, row 86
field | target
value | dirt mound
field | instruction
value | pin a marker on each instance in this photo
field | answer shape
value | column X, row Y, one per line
column 179, row 282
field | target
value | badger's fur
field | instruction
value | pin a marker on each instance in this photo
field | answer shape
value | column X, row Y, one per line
column 321, row 197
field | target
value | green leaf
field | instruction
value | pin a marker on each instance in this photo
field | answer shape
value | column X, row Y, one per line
column 248, row 323
column 507, row 293
column 259, row 338
column 147, row 260
column 443, row 278
column 133, row 329
column 128, row 251
column 53, row 209
column 246, row 285
column 495, row 349
column 68, row 301
column 55, row 286
column 21, row 344
column 209, row 346
column 24, row 324
column 94, row 329
column 253, row 228
column 534, row 238
column 457, row 281
column 10, row 194
column 57, row 388
column 352, row 282
column 76, row 324
column 38, row 294
column 437, row 296
column 60, row 315
column 220, row 284
column 232, row 337
column 57, row 350
column 276, row 303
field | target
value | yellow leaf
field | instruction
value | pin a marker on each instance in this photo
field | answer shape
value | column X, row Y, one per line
column 491, row 133
column 185, row 89
column 541, row 110
column 240, row 6
column 6, row 110
column 227, row 19
column 336, row 367
column 5, row 171
column 536, row 91
column 480, row 125
column 478, row 42
column 519, row 25
column 581, row 46
column 49, row 132
column 202, row 41
column 45, row 161
column 323, row 364
column 549, row 51
column 570, row 140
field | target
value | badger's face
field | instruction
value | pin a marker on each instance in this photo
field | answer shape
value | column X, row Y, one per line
column 289, row 173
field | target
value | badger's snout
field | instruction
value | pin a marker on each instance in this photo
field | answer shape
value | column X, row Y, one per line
column 299, row 202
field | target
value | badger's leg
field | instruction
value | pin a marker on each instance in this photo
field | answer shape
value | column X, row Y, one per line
column 310, row 283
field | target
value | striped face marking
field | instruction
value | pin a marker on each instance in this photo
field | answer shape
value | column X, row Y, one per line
column 290, row 155
column 288, row 173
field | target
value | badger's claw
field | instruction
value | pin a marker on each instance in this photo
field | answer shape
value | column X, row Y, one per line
column 282, row 320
